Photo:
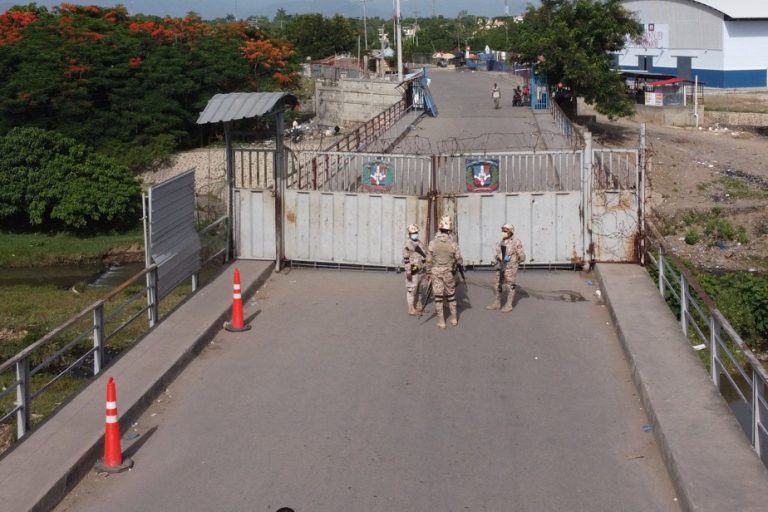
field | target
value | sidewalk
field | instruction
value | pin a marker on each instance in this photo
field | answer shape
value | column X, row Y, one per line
column 43, row 468
column 709, row 459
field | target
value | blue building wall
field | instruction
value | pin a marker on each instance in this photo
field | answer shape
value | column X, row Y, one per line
column 716, row 78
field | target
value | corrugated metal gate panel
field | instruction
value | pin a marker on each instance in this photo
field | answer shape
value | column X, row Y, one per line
column 255, row 224
column 346, row 228
column 174, row 243
column 547, row 223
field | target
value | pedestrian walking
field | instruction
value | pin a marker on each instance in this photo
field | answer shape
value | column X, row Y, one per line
column 414, row 258
column 443, row 259
column 509, row 255
column 496, row 95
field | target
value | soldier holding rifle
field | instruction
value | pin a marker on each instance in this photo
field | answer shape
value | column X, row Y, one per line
column 509, row 255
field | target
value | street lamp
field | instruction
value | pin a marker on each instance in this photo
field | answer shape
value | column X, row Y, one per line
column 365, row 24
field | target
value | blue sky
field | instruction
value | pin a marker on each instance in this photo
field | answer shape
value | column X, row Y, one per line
column 244, row 8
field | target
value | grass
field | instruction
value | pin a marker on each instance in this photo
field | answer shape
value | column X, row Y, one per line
column 27, row 250
column 714, row 227
column 732, row 188
column 747, row 102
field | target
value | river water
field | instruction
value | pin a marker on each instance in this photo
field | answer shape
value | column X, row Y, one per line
column 67, row 276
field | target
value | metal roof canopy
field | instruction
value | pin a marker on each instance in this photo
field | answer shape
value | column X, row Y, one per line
column 243, row 105
column 227, row 108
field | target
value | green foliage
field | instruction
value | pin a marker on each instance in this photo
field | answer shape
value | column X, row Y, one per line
column 130, row 86
column 762, row 226
column 570, row 41
column 692, row 236
column 318, row 37
column 716, row 228
column 51, row 182
column 743, row 299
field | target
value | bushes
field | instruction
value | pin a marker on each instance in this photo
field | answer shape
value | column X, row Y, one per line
column 51, row 182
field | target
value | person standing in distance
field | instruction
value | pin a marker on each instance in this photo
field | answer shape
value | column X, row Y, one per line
column 443, row 256
column 509, row 255
column 414, row 257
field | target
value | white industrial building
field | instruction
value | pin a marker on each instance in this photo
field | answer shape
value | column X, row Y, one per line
column 722, row 42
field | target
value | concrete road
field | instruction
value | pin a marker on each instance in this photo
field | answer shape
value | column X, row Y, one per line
column 338, row 401
column 468, row 120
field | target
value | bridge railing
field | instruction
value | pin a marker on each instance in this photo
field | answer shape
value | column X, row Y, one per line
column 45, row 374
column 733, row 367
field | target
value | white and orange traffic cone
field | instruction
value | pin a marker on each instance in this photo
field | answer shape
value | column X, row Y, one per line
column 113, row 461
column 237, row 324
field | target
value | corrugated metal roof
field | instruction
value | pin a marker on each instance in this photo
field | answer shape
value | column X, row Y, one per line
column 741, row 9
column 242, row 105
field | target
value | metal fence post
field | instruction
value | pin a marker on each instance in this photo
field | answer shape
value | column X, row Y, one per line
column 22, row 397
column 98, row 339
column 684, row 304
column 714, row 344
column 758, row 393
column 661, row 271
column 152, row 295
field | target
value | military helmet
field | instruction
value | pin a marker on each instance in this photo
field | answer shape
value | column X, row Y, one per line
column 446, row 223
column 413, row 228
column 508, row 228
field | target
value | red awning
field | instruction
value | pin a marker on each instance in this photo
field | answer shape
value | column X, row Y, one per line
column 672, row 81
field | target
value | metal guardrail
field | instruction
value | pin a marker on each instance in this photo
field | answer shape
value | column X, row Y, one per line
column 731, row 361
column 305, row 175
column 566, row 126
column 79, row 347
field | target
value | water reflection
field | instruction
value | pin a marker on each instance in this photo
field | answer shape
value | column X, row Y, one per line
column 67, row 276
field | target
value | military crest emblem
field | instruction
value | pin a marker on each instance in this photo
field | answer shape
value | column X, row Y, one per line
column 378, row 176
column 482, row 175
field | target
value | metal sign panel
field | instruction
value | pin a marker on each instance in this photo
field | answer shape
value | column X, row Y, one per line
column 173, row 240
column 255, row 224
column 349, row 228
column 548, row 224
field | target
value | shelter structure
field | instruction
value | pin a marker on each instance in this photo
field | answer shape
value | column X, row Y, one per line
column 722, row 42
column 228, row 108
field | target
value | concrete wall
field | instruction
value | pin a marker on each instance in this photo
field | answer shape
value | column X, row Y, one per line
column 355, row 101
column 737, row 118
column 669, row 116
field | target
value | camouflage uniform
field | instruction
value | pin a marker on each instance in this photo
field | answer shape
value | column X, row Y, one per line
column 513, row 248
column 414, row 273
column 443, row 256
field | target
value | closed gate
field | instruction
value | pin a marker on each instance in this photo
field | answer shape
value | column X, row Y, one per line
column 568, row 206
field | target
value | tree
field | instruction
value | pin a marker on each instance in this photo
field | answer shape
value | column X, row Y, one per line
column 52, row 182
column 570, row 41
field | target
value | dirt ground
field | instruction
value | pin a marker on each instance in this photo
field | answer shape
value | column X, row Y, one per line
column 708, row 189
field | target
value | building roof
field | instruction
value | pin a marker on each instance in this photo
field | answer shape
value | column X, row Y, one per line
column 740, row 10
column 242, row 105
column 673, row 81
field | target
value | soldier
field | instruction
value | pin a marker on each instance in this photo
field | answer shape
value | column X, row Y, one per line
column 443, row 257
column 509, row 255
column 414, row 255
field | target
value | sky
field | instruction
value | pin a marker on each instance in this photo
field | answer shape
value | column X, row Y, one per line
column 244, row 8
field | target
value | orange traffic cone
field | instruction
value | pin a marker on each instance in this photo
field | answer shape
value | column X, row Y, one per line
column 113, row 461
column 237, row 324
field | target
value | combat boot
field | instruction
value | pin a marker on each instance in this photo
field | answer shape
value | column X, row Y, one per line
column 454, row 319
column 420, row 309
column 441, row 318
column 510, row 299
column 496, row 303
column 412, row 310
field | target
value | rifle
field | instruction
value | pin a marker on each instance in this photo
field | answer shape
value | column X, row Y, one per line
column 502, row 264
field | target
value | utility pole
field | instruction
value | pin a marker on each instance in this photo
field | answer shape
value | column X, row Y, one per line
column 365, row 24
column 399, row 43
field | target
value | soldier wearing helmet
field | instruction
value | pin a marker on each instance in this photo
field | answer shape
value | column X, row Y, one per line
column 414, row 256
column 509, row 255
column 443, row 255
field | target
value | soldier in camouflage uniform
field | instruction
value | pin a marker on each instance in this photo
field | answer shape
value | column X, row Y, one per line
column 414, row 256
column 443, row 255
column 509, row 255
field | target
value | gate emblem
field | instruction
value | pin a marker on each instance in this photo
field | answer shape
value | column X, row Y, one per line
column 482, row 175
column 378, row 176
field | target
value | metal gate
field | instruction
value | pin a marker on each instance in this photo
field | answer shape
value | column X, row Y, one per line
column 343, row 208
